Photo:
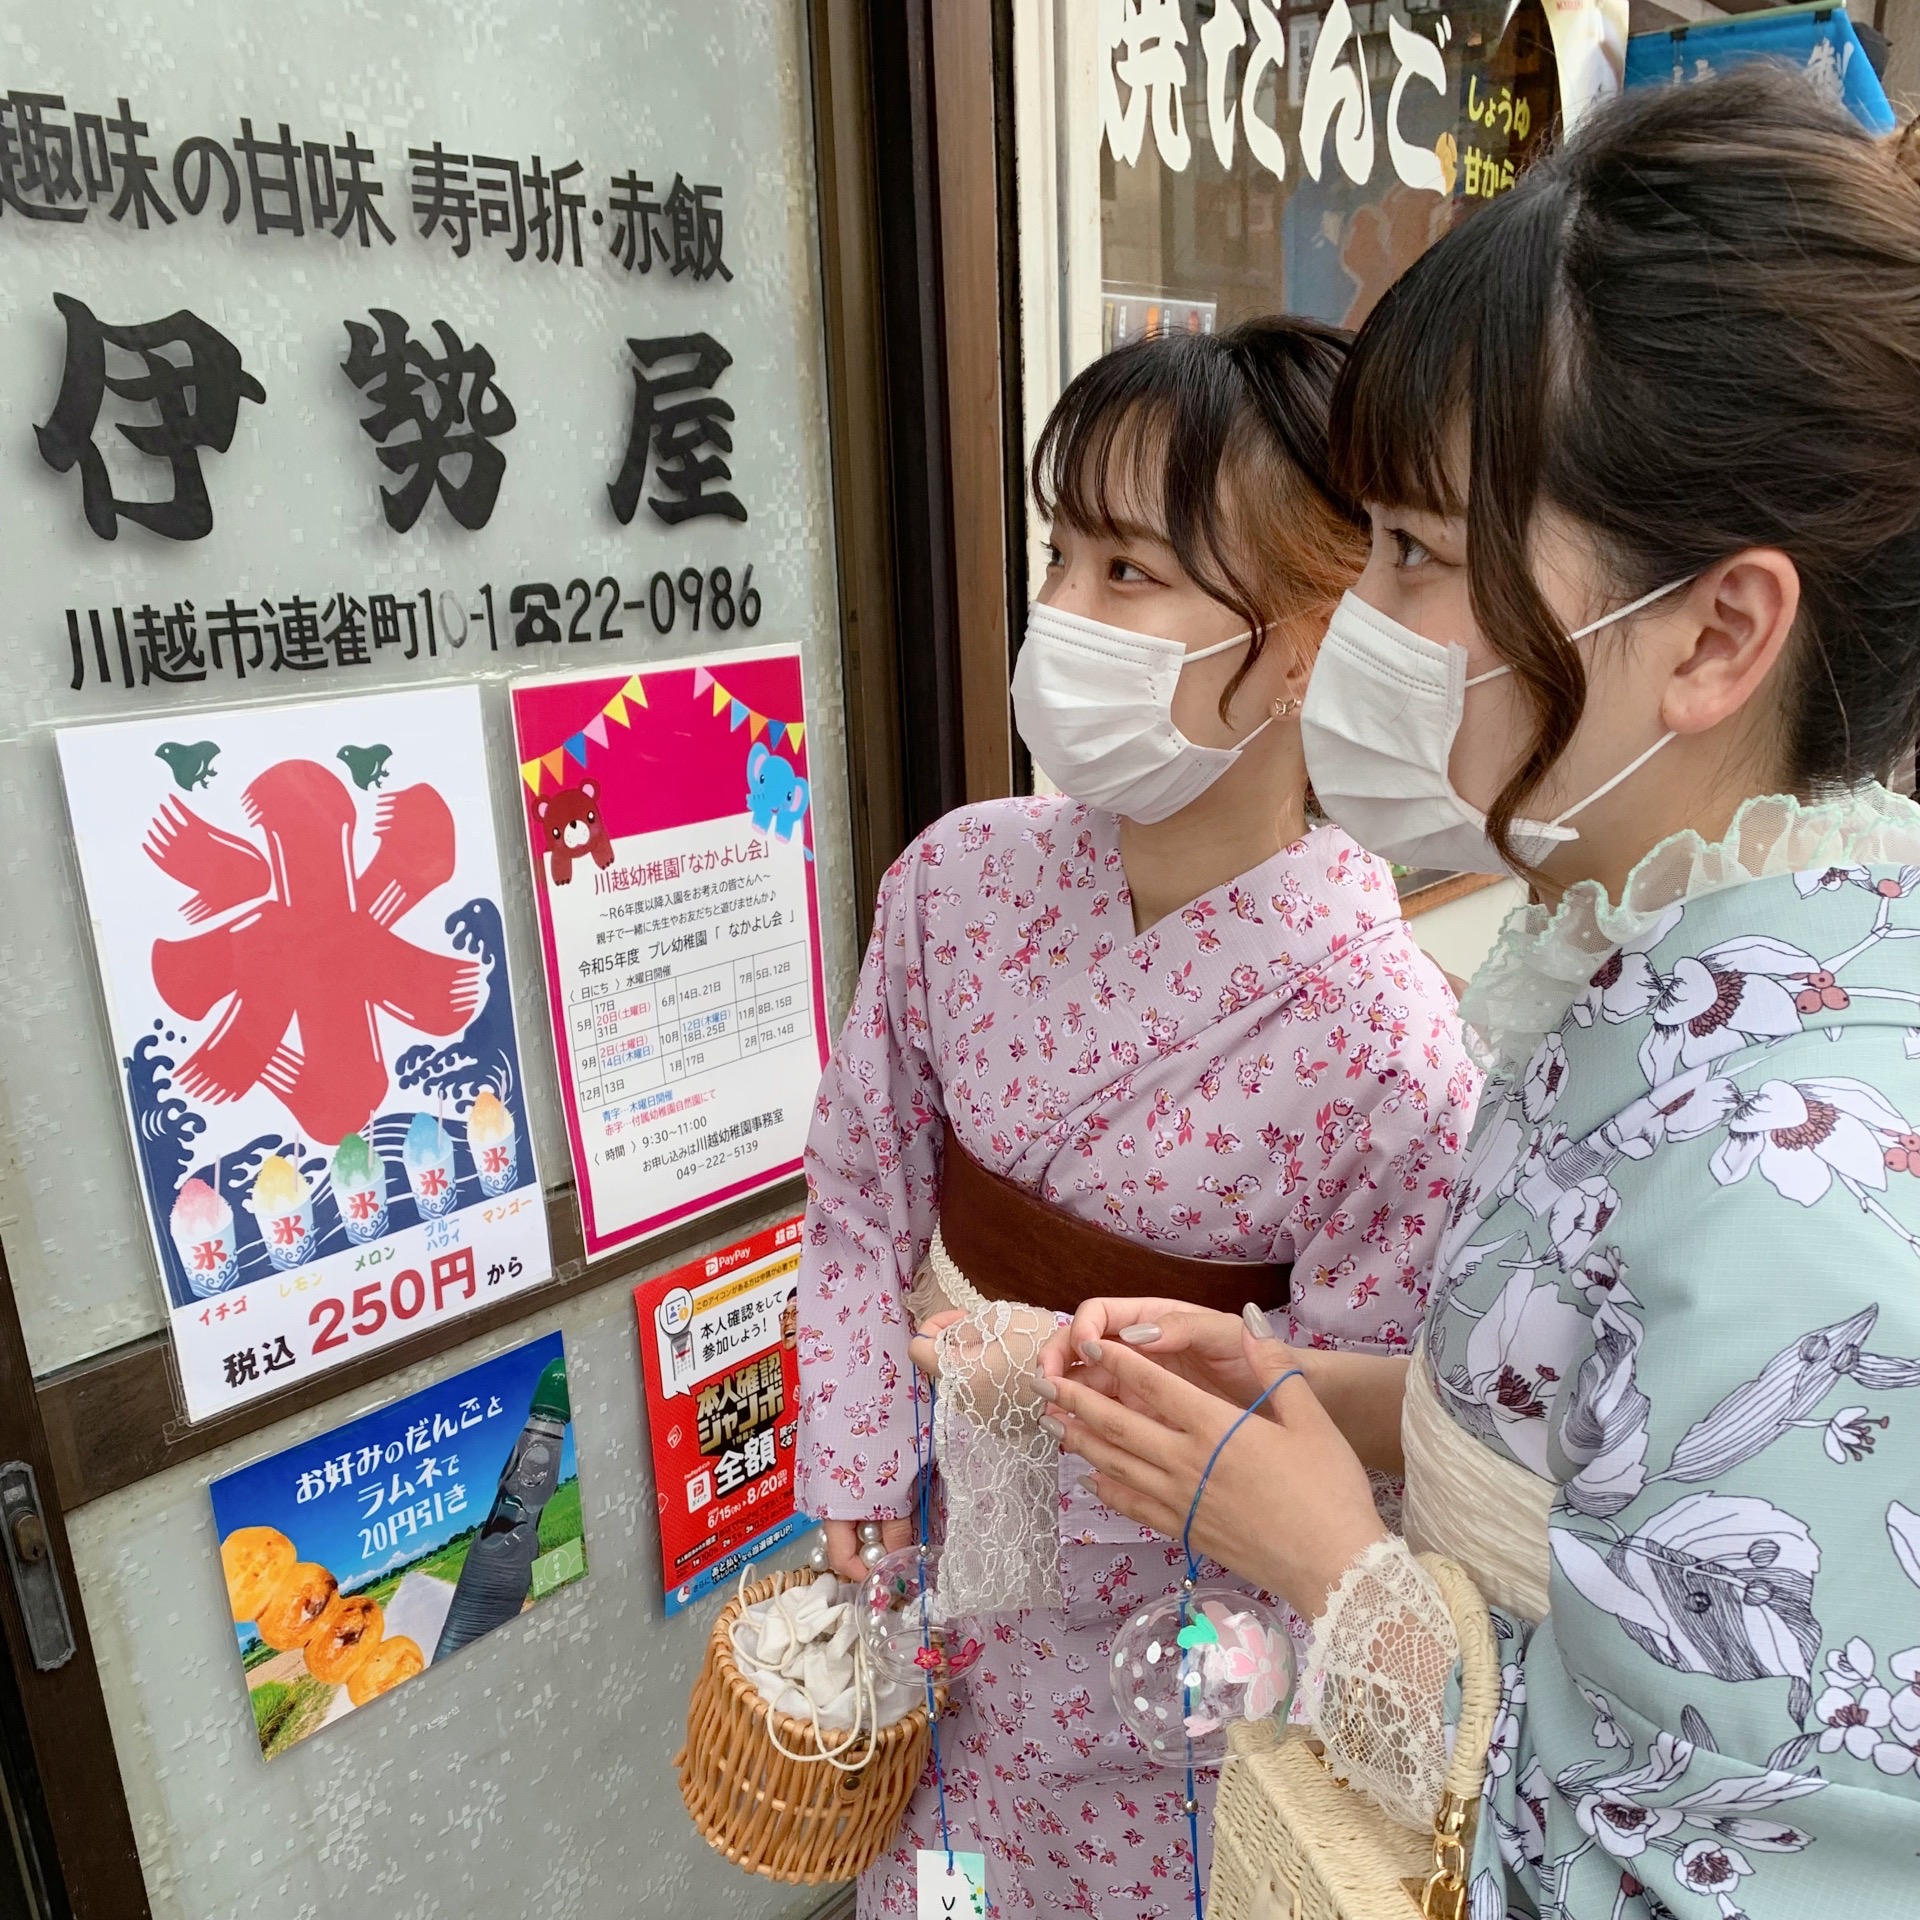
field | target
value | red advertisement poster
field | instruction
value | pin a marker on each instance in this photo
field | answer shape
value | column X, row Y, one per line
column 718, row 1354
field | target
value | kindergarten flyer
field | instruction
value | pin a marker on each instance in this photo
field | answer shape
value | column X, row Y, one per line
column 670, row 831
column 297, row 915
column 719, row 1354
column 362, row 1556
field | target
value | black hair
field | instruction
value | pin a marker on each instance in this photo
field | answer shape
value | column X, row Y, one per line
column 1221, row 438
column 1694, row 329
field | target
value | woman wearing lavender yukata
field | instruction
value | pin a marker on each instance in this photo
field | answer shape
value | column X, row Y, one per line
column 1163, row 1003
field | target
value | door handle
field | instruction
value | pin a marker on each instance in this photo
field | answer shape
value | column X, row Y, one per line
column 36, row 1579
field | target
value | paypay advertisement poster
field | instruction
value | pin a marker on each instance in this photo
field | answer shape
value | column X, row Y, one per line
column 719, row 1354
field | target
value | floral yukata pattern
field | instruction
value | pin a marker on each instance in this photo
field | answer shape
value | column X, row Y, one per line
column 1273, row 1073
column 1682, row 1280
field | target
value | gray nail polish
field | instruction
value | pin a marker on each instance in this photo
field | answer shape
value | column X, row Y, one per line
column 1046, row 1389
column 1257, row 1323
column 1141, row 1336
column 1089, row 1349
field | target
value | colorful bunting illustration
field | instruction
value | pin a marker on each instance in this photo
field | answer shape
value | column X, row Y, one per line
column 738, row 713
column 553, row 766
column 546, row 767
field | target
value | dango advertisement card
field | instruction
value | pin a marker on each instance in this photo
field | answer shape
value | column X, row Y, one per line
column 670, row 830
column 297, row 915
column 719, row 1352
column 364, row 1555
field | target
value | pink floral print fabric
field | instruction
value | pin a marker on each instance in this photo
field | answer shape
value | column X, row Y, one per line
column 1275, row 1072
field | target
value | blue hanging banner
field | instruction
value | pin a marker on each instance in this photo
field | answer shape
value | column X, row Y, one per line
column 1819, row 39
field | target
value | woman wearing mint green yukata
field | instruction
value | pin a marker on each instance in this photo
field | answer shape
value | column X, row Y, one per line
column 1641, row 444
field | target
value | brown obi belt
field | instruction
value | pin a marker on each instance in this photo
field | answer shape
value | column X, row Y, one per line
column 1014, row 1246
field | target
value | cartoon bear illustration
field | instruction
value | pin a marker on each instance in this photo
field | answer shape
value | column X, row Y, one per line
column 574, row 827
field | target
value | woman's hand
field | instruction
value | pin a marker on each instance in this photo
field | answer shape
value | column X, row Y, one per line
column 1201, row 1346
column 843, row 1543
column 920, row 1347
column 1287, row 1507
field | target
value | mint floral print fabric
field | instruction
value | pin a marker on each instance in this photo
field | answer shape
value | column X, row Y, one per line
column 1681, row 1279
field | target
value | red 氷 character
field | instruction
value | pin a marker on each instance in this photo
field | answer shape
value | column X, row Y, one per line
column 309, row 951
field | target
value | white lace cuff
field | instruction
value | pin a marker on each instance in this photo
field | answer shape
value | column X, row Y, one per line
column 999, row 1463
column 1375, row 1685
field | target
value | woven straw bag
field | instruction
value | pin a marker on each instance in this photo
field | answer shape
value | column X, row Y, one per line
column 773, row 1815
column 1291, row 1842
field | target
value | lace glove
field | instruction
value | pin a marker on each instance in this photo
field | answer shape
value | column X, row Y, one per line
column 998, row 1463
column 1375, row 1684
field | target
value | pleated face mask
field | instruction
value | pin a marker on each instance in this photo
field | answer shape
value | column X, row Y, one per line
column 1094, row 704
column 1378, row 725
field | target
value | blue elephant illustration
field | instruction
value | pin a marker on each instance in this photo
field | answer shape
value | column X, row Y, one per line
column 776, row 795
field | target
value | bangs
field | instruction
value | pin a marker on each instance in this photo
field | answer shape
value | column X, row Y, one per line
column 1210, row 443
column 1101, row 466
column 1398, row 414
column 1447, row 380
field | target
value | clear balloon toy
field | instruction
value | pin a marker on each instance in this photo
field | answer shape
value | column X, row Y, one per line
column 1186, row 1667
column 908, row 1636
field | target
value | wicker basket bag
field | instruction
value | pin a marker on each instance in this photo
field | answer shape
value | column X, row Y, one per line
column 769, row 1814
column 1290, row 1842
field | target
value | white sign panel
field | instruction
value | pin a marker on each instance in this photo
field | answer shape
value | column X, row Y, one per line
column 297, row 915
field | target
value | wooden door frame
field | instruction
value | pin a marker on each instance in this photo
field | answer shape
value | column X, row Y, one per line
column 913, row 117
column 980, row 297
column 77, row 1813
column 852, row 296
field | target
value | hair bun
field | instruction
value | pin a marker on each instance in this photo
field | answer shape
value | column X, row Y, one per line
column 1903, row 148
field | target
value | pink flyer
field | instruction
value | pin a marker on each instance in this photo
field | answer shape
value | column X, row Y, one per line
column 670, row 831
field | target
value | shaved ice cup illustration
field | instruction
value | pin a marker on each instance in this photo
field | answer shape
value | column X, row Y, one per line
column 203, row 1234
column 428, row 1158
column 360, row 1189
column 283, row 1205
column 490, row 1140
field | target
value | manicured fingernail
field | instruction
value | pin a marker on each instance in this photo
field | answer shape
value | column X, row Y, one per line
column 1089, row 1349
column 1256, row 1322
column 1058, row 1428
column 1046, row 1389
column 1142, row 1336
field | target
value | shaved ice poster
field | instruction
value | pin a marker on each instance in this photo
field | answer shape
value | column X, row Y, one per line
column 296, row 911
column 670, row 830
column 362, row 1556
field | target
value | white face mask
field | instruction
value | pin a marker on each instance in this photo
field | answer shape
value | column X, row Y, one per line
column 1094, row 704
column 1378, row 725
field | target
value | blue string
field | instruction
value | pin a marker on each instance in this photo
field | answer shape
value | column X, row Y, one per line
column 1213, row 1460
column 1188, row 1653
column 923, row 1462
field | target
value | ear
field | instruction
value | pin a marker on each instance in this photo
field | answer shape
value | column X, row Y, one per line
column 591, row 788
column 540, row 809
column 1746, row 607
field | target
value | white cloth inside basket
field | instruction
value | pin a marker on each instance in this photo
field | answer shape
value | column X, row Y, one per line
column 801, row 1650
